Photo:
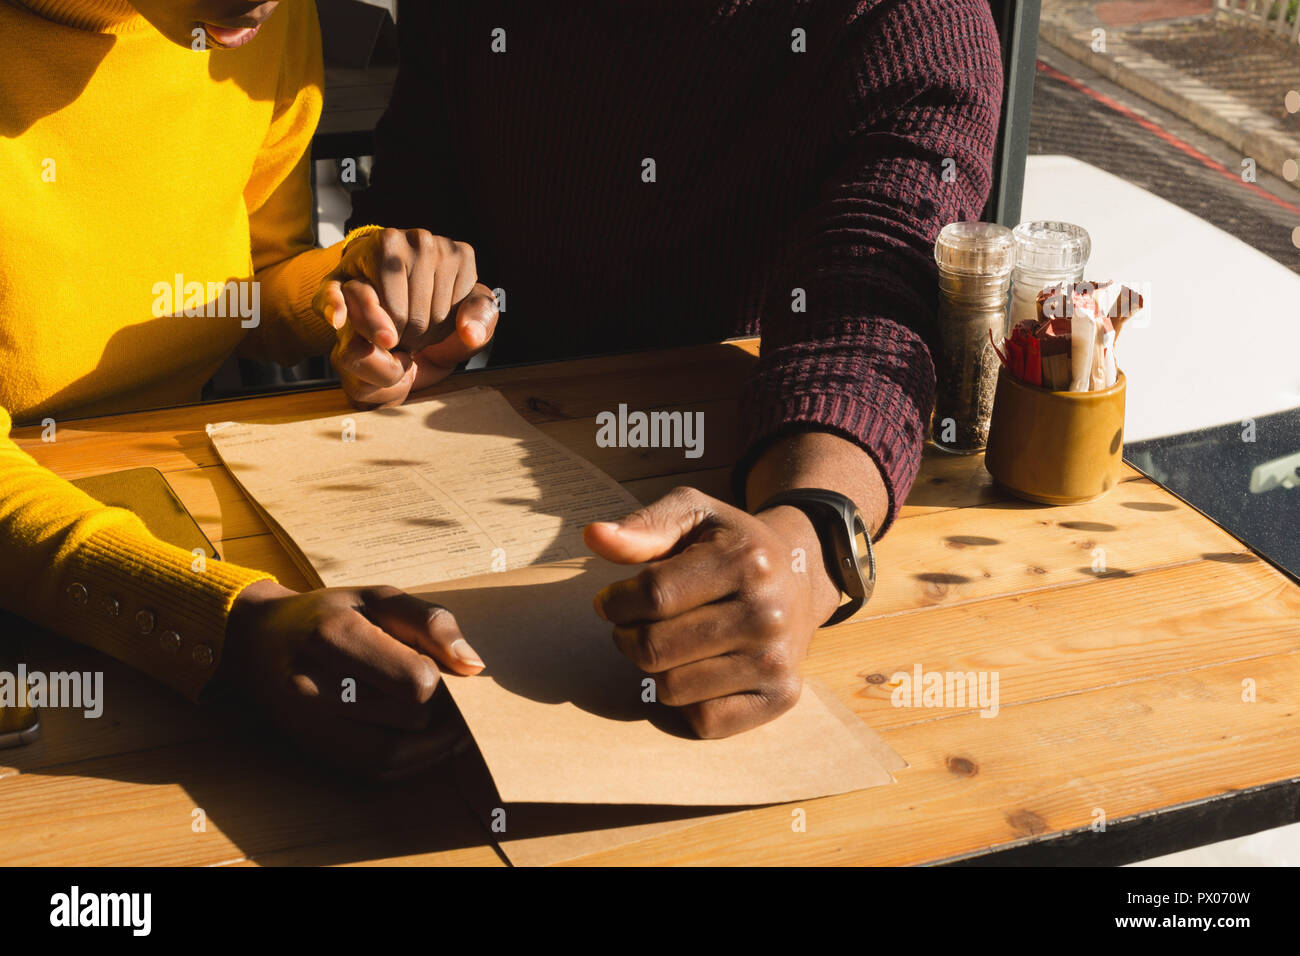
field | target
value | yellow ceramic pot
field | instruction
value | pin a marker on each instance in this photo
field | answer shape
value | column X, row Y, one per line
column 1057, row 448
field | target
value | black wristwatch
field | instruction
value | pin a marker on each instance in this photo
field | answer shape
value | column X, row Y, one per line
column 839, row 524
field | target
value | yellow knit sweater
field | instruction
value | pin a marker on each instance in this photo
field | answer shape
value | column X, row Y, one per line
column 130, row 166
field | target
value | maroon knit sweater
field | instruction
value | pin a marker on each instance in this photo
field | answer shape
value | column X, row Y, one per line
column 774, row 171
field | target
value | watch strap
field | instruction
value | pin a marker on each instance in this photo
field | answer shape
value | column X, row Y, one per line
column 837, row 521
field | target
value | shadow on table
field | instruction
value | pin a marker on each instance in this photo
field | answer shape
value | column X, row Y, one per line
column 540, row 637
column 534, row 834
column 247, row 793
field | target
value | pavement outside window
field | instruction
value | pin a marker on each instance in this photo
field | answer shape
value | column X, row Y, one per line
column 1231, row 79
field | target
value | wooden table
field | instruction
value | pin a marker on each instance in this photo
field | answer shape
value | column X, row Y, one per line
column 1125, row 691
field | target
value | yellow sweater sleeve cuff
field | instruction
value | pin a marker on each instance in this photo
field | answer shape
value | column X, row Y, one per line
column 308, row 333
column 156, row 607
column 358, row 233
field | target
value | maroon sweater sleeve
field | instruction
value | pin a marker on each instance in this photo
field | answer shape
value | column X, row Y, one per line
column 918, row 99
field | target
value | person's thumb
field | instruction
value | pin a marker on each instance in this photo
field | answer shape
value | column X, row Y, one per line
column 329, row 303
column 653, row 532
column 475, row 323
column 476, row 318
column 429, row 628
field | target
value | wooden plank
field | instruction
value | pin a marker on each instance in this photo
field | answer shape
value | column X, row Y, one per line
column 138, row 809
column 398, row 847
column 1045, row 766
column 1065, row 640
column 216, row 502
column 946, row 481
column 1039, row 768
column 1226, row 816
column 137, row 714
column 1003, row 547
column 263, row 553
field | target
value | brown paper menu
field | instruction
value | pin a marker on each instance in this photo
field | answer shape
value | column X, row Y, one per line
column 543, row 834
column 430, row 496
column 432, row 490
column 562, row 716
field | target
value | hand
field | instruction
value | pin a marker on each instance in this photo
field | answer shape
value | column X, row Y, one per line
column 293, row 652
column 720, row 617
column 408, row 308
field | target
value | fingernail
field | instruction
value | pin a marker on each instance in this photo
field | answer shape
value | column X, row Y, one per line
column 464, row 653
column 607, row 525
column 600, row 608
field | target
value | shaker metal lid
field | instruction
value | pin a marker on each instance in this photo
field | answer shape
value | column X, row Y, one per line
column 975, row 249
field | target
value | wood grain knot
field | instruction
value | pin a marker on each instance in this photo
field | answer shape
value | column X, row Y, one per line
column 875, row 678
column 938, row 583
column 962, row 766
column 1027, row 822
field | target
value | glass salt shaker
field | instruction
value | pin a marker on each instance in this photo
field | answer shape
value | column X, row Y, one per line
column 1047, row 253
column 975, row 260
